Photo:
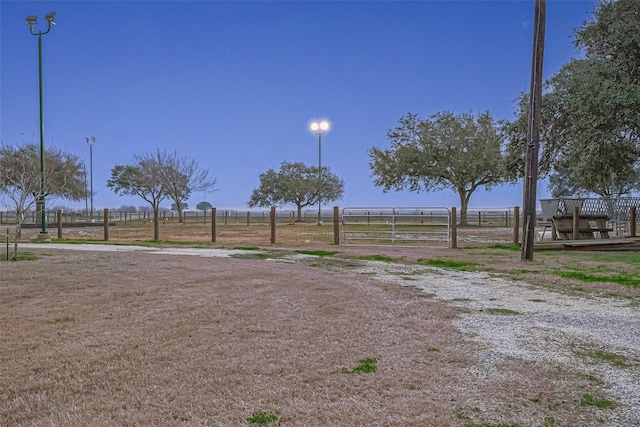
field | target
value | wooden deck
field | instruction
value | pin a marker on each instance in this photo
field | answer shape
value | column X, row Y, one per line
column 623, row 244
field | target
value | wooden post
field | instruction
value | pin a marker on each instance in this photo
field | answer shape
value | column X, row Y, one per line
column 106, row 224
column 226, row 216
column 516, row 225
column 532, row 146
column 453, row 223
column 632, row 221
column 248, row 217
column 336, row 225
column 272, row 223
column 213, row 225
column 59, row 222
column 479, row 219
column 576, row 223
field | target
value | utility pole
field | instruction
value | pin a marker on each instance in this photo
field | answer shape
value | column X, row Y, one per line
column 533, row 133
column 90, row 142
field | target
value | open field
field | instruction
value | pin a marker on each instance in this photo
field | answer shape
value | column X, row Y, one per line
column 160, row 335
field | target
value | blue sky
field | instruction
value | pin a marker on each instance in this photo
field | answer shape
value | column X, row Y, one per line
column 235, row 84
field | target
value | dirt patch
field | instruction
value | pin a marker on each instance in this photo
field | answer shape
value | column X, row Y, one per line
column 136, row 338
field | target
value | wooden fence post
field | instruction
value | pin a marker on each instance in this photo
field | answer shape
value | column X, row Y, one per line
column 516, row 225
column 106, row 224
column 213, row 225
column 336, row 225
column 454, row 228
column 272, row 223
column 632, row 221
column 576, row 223
column 59, row 223
column 248, row 217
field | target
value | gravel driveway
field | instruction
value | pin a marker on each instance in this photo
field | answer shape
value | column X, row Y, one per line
column 544, row 326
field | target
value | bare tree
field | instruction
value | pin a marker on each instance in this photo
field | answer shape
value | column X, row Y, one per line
column 20, row 179
column 182, row 177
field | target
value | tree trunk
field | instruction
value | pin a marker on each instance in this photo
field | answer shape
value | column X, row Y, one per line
column 299, row 216
column 464, row 204
column 16, row 237
column 156, row 225
column 180, row 221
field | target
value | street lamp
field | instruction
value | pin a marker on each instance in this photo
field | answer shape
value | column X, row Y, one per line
column 319, row 128
column 31, row 20
column 91, row 141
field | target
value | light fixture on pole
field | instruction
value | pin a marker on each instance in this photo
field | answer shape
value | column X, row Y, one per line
column 319, row 128
column 31, row 20
column 90, row 142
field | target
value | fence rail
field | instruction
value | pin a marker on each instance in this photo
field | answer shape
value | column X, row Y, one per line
column 421, row 225
column 352, row 225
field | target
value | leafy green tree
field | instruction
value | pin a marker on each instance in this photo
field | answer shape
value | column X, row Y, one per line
column 614, row 35
column 446, row 151
column 204, row 206
column 20, row 179
column 296, row 183
column 145, row 178
column 591, row 110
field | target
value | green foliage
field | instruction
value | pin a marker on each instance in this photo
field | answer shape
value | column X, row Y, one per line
column 382, row 258
column 20, row 256
column 505, row 247
column 589, row 400
column 590, row 133
column 448, row 264
column 296, row 183
column 204, row 206
column 317, row 253
column 264, row 417
column 366, row 366
column 612, row 358
column 446, row 151
column 623, row 278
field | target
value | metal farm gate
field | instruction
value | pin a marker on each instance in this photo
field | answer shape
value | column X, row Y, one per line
column 423, row 226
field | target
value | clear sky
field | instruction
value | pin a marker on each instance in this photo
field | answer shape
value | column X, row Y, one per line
column 236, row 84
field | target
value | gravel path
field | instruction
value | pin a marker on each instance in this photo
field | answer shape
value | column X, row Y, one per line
column 549, row 326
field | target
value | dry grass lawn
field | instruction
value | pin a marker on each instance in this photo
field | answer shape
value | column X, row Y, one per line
column 124, row 338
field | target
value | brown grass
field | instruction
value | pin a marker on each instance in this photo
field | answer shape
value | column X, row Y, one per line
column 108, row 339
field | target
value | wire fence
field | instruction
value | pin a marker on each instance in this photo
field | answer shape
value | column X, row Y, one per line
column 426, row 226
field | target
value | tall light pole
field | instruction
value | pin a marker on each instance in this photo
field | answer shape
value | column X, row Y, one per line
column 91, row 141
column 319, row 128
column 31, row 20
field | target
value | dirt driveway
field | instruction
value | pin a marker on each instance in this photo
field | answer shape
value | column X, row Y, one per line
column 197, row 337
